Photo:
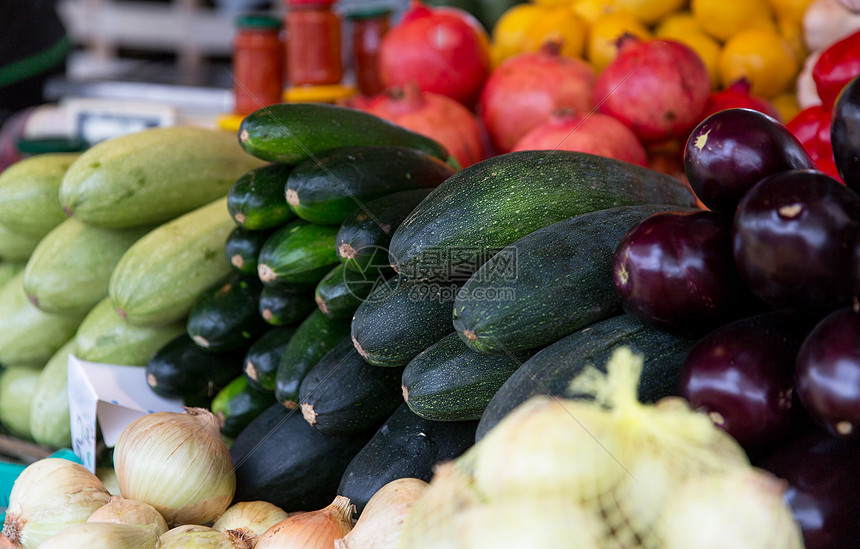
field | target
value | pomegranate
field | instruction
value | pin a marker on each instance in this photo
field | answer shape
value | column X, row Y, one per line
column 738, row 95
column 443, row 49
column 522, row 92
column 657, row 87
column 593, row 133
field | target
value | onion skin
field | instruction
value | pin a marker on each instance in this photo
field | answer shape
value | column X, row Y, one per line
column 381, row 522
column 311, row 530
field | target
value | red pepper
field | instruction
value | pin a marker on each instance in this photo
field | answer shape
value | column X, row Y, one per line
column 811, row 127
column 837, row 65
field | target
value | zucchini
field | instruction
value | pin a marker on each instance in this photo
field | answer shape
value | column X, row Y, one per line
column 343, row 394
column 496, row 201
column 243, row 248
column 546, row 284
column 280, row 307
column 297, row 256
column 227, row 315
column 237, row 404
column 8, row 270
column 50, row 422
column 365, row 234
column 256, row 200
column 152, row 176
column 406, row 446
column 291, row 132
column 401, row 318
column 17, row 387
column 16, row 246
column 315, row 336
column 264, row 356
column 69, row 271
column 29, row 201
column 164, row 273
column 328, row 187
column 281, row 459
column 342, row 290
column 104, row 336
column 551, row 370
column 449, row 381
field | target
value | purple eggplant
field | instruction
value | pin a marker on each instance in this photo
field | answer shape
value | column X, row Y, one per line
column 731, row 150
column 793, row 240
column 845, row 134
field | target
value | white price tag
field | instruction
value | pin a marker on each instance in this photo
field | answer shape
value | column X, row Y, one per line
column 96, row 120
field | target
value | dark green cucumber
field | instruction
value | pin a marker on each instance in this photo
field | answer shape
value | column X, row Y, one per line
column 342, row 290
column 227, row 315
column 281, row 459
column 327, row 188
column 264, row 355
column 315, row 336
column 401, row 318
column 291, row 132
column 343, row 394
column 364, row 235
column 406, row 446
column 451, row 382
column 243, row 248
column 492, row 203
column 297, row 256
column 548, row 283
column 256, row 200
column 551, row 370
column 237, row 404
column 281, row 307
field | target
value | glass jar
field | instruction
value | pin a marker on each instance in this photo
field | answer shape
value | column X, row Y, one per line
column 368, row 27
column 258, row 63
column 313, row 43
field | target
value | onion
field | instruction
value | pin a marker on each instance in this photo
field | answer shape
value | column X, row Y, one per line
column 245, row 521
column 381, row 522
column 198, row 537
column 120, row 510
column 103, row 535
column 311, row 530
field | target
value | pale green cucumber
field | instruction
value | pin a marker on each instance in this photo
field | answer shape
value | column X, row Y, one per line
column 17, row 387
column 69, row 271
column 16, row 246
column 49, row 411
column 29, row 193
column 104, row 336
column 29, row 336
column 152, row 176
column 8, row 270
column 161, row 275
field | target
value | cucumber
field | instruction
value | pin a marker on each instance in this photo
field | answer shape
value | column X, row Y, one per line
column 17, row 388
column 342, row 290
column 551, row 370
column 237, row 404
column 104, row 336
column 164, row 273
column 50, row 423
column 227, row 315
column 243, row 248
column 291, row 132
column 152, row 176
column 449, row 381
column 16, row 246
column 401, row 318
column 264, row 356
column 297, row 256
column 328, row 187
column 29, row 201
column 315, row 336
column 496, row 201
column 406, row 446
column 548, row 283
column 69, row 271
column 8, row 270
column 365, row 234
column 281, row 307
column 256, row 200
column 281, row 459
column 342, row 394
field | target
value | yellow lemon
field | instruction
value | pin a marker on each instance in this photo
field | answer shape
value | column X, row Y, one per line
column 764, row 57
column 592, row 10
column 725, row 18
column 509, row 32
column 787, row 105
column 559, row 25
column 677, row 24
column 649, row 11
column 604, row 34
column 790, row 9
column 707, row 48
column 792, row 31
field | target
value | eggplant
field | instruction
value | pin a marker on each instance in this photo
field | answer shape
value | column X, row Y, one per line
column 845, row 134
column 793, row 240
column 731, row 150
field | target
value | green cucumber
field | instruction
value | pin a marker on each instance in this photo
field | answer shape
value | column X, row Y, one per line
column 264, row 356
column 50, row 423
column 16, row 246
column 281, row 307
column 327, row 188
column 365, row 234
column 8, row 270
column 17, row 388
column 449, row 381
column 152, row 176
column 291, row 132
column 343, row 394
column 237, row 404
column 491, row 203
column 69, row 271
column 29, row 201
column 162, row 275
column 401, row 318
column 243, row 248
column 551, row 370
column 227, row 316
column 342, row 290
column 548, row 283
column 297, row 256
column 104, row 336
column 256, row 200
column 315, row 336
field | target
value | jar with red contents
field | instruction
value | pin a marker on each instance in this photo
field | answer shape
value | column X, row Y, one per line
column 313, row 43
column 368, row 25
column 258, row 63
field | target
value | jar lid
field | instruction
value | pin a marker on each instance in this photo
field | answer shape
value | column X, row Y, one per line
column 322, row 94
column 367, row 11
column 258, row 21
column 52, row 145
column 326, row 3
